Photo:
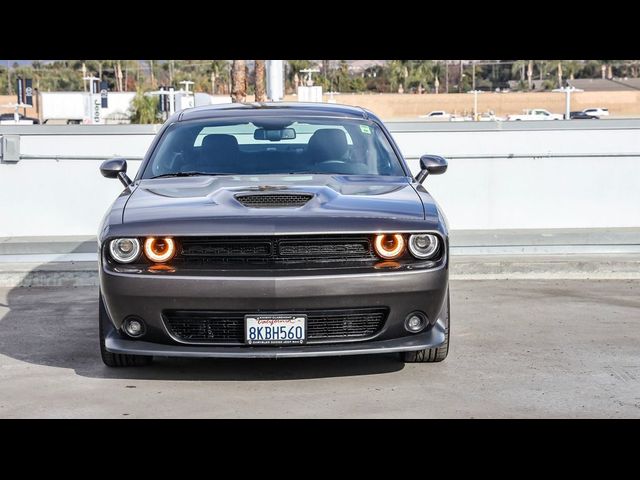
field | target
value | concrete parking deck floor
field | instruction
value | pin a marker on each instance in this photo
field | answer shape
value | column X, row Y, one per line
column 520, row 348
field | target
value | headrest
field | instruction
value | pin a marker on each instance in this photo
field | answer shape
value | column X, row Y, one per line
column 328, row 144
column 220, row 141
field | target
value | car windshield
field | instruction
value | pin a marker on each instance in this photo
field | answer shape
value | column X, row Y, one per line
column 274, row 145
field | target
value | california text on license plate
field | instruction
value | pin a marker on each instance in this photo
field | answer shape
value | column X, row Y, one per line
column 275, row 329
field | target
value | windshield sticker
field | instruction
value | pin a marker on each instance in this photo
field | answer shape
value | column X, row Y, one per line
column 365, row 129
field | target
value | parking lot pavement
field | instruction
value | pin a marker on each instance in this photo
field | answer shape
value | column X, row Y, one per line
column 520, row 348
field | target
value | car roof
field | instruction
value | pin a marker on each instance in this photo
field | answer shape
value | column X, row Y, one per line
column 274, row 109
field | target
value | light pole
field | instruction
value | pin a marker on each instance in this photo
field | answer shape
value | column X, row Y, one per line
column 275, row 79
column 567, row 91
column 473, row 74
column 170, row 94
column 475, row 103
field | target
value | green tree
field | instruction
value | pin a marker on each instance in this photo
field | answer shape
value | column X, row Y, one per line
column 420, row 73
column 219, row 73
column 398, row 74
column 294, row 68
column 519, row 69
column 144, row 108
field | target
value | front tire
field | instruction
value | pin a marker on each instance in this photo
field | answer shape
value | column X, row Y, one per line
column 431, row 355
column 116, row 359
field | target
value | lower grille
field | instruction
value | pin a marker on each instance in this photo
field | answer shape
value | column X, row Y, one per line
column 323, row 326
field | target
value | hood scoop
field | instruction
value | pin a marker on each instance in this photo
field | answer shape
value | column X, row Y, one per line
column 274, row 200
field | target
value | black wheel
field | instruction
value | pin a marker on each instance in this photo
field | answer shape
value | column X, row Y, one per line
column 116, row 359
column 431, row 355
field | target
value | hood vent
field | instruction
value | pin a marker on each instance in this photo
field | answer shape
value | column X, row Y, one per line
column 274, row 200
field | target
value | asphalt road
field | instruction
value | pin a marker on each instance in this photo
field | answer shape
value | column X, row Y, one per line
column 520, row 348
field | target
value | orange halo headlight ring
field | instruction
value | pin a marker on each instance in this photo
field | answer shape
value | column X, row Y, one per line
column 159, row 249
column 389, row 246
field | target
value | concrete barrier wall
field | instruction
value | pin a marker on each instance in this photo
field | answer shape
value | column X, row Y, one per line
column 511, row 175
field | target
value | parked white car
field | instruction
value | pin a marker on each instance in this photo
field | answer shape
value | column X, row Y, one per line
column 437, row 115
column 489, row 117
column 536, row 114
column 596, row 112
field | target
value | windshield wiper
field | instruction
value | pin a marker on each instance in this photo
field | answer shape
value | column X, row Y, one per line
column 188, row 174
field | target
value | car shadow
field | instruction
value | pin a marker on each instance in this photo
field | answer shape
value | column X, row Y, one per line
column 58, row 327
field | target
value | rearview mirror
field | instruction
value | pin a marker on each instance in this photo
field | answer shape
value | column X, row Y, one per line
column 274, row 135
column 116, row 168
column 431, row 165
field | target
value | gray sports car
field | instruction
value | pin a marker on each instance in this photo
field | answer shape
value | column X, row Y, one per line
column 273, row 230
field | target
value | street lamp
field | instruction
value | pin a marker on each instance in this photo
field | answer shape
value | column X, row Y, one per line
column 475, row 103
column 568, row 91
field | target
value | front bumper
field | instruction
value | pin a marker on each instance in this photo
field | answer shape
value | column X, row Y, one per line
column 434, row 337
column 147, row 296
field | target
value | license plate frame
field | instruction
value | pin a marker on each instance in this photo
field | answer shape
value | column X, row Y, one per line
column 275, row 325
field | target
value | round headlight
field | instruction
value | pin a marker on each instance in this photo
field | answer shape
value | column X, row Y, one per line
column 159, row 249
column 423, row 245
column 124, row 250
column 389, row 246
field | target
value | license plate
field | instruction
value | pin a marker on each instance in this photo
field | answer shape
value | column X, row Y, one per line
column 275, row 329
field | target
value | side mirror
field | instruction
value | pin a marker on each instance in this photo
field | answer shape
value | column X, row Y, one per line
column 116, row 168
column 431, row 165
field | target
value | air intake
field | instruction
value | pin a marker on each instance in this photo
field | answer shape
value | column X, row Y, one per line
column 274, row 200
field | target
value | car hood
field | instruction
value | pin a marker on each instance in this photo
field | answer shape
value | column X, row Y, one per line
column 200, row 204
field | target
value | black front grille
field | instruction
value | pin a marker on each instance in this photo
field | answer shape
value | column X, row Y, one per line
column 274, row 200
column 323, row 326
column 275, row 251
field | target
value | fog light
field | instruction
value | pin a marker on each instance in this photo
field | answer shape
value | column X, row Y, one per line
column 134, row 327
column 415, row 322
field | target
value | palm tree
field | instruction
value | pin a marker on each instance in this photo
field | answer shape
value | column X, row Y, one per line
column 420, row 73
column 261, row 95
column 518, row 67
column 398, row 73
column 571, row 68
column 238, row 82
column 219, row 71
column 436, row 72
column 153, row 77
column 543, row 66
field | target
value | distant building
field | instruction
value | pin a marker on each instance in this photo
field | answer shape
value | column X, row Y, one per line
column 605, row 85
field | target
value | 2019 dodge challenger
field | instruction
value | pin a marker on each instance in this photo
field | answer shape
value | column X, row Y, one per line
column 273, row 230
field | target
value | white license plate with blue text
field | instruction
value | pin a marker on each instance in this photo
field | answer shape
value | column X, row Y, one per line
column 275, row 329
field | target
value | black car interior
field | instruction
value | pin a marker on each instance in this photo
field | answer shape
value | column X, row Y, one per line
column 328, row 151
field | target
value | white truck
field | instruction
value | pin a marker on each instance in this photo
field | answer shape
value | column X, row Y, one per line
column 535, row 114
column 70, row 108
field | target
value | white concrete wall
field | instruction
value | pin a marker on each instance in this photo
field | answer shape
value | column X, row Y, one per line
column 578, row 190
column 481, row 190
